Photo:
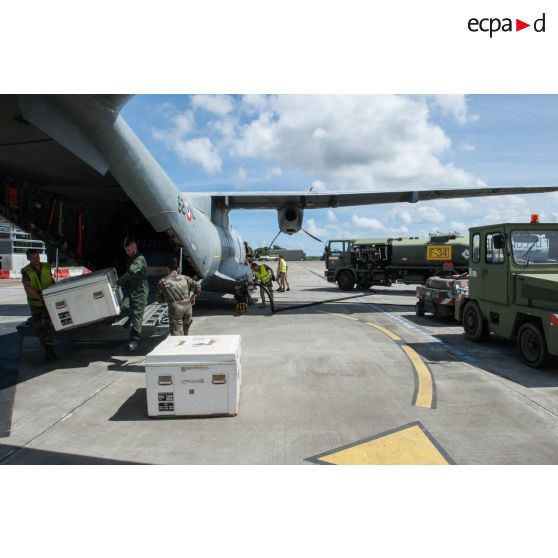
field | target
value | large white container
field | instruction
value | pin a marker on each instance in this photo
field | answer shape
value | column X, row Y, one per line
column 194, row 375
column 82, row 300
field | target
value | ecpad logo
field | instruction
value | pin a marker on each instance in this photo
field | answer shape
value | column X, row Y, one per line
column 494, row 24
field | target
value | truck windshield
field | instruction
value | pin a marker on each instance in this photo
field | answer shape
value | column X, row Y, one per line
column 336, row 247
column 535, row 247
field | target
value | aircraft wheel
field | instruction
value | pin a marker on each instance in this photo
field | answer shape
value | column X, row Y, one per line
column 346, row 281
column 532, row 345
column 474, row 324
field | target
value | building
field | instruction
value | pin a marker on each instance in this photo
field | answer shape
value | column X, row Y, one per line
column 289, row 255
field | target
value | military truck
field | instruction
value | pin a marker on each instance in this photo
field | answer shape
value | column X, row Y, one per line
column 383, row 261
column 513, row 288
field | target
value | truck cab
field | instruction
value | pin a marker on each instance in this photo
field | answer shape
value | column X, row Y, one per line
column 337, row 258
column 513, row 287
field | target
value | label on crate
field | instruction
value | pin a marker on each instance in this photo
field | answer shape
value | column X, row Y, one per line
column 65, row 318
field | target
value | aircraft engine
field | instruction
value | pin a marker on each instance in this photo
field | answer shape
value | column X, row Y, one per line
column 290, row 219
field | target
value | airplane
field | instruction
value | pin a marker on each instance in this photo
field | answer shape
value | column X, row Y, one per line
column 74, row 174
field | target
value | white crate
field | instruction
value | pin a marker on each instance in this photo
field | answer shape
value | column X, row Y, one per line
column 194, row 375
column 83, row 300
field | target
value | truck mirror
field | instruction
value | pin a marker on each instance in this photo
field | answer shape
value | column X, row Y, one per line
column 499, row 241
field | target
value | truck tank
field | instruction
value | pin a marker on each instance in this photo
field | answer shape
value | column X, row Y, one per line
column 411, row 252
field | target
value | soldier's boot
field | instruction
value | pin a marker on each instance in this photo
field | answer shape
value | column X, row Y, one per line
column 50, row 355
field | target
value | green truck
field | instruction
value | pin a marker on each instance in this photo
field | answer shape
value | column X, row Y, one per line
column 383, row 261
column 512, row 290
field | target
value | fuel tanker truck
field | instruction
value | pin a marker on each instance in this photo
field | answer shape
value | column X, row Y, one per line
column 383, row 261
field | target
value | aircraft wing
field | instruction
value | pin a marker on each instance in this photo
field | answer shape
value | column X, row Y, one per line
column 320, row 200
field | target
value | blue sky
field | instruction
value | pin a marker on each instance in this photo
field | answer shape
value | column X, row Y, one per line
column 361, row 142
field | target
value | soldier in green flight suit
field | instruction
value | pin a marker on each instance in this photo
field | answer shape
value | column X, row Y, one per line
column 179, row 292
column 135, row 290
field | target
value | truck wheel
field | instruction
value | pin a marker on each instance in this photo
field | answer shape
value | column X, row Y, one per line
column 346, row 281
column 474, row 324
column 419, row 308
column 532, row 345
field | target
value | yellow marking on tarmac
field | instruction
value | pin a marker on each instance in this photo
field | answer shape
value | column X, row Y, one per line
column 386, row 331
column 409, row 445
column 424, row 389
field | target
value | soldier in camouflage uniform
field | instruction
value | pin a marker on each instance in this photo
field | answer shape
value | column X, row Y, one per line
column 135, row 289
column 179, row 292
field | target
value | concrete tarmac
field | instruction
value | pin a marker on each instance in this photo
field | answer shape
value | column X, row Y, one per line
column 332, row 377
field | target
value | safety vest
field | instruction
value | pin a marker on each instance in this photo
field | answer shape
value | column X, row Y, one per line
column 282, row 266
column 263, row 275
column 38, row 283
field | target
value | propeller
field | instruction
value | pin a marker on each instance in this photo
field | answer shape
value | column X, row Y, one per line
column 271, row 243
column 311, row 235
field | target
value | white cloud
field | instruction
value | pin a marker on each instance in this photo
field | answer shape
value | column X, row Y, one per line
column 183, row 125
column 364, row 142
column 459, row 227
column 254, row 103
column 331, row 218
column 200, row 151
column 216, row 104
column 272, row 173
column 366, row 223
column 420, row 214
column 318, row 186
column 312, row 227
column 456, row 105
column 460, row 205
column 468, row 146
column 241, row 177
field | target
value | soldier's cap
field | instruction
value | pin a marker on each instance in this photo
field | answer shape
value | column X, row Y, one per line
column 173, row 263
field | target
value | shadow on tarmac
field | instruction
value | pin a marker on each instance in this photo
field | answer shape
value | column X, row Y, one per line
column 19, row 455
column 135, row 409
column 10, row 350
column 498, row 356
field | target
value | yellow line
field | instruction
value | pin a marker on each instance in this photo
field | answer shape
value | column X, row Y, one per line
column 424, row 392
column 389, row 333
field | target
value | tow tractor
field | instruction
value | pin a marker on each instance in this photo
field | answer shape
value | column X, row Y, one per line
column 511, row 289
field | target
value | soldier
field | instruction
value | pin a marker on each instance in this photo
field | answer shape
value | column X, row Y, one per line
column 37, row 276
column 135, row 289
column 179, row 292
column 264, row 275
column 282, row 274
